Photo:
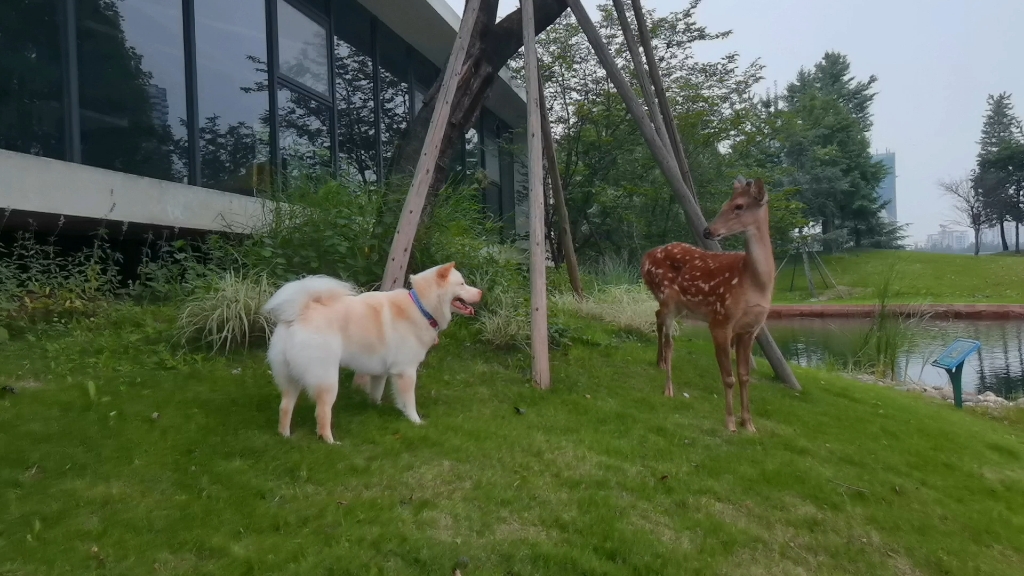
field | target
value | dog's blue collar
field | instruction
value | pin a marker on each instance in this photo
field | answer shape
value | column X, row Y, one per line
column 423, row 310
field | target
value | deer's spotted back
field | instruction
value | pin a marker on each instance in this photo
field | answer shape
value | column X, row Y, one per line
column 685, row 277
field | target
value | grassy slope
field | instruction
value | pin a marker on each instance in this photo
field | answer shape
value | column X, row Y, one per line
column 620, row 482
column 923, row 277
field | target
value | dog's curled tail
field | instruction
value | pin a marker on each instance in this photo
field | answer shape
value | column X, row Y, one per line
column 287, row 304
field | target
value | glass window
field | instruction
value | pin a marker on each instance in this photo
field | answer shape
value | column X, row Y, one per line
column 417, row 99
column 131, row 77
column 424, row 72
column 231, row 52
column 394, row 89
column 303, row 133
column 490, row 144
column 31, row 80
column 302, row 48
column 492, row 200
column 508, row 191
column 472, row 157
column 353, row 87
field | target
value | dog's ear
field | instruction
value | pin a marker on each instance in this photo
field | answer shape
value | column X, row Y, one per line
column 445, row 271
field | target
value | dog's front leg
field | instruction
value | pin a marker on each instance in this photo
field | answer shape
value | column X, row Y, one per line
column 405, row 394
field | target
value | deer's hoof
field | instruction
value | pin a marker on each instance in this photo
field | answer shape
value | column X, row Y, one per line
column 750, row 427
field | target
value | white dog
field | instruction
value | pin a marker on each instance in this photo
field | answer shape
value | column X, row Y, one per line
column 324, row 323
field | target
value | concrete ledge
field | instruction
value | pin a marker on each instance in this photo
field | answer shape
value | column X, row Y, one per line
column 959, row 311
column 35, row 184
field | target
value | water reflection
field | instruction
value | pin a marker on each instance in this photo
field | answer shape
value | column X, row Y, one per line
column 998, row 367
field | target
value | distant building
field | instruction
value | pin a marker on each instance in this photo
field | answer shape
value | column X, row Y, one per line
column 158, row 104
column 887, row 189
column 949, row 239
column 990, row 236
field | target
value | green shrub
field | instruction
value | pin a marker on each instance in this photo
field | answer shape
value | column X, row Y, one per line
column 40, row 283
column 504, row 320
column 890, row 335
column 459, row 231
column 614, row 270
column 225, row 314
column 324, row 227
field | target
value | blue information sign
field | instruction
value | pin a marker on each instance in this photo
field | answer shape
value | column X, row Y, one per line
column 956, row 354
column 952, row 361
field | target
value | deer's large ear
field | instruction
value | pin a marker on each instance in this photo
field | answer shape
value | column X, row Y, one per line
column 757, row 191
column 739, row 184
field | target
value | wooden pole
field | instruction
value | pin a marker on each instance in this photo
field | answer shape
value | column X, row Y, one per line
column 538, row 257
column 571, row 266
column 645, row 81
column 834, row 283
column 810, row 279
column 666, row 162
column 661, row 155
column 401, row 245
column 659, row 90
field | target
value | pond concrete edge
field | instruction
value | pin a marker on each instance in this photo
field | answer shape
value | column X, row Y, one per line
column 952, row 311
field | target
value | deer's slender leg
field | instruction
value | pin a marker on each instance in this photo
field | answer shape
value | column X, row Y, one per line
column 722, row 339
column 665, row 344
column 669, row 391
column 744, row 344
column 660, row 324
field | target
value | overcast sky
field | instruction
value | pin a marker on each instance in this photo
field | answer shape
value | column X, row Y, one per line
column 936, row 60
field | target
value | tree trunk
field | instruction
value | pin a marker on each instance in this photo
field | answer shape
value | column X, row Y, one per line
column 810, row 279
column 491, row 46
column 977, row 241
column 1002, row 236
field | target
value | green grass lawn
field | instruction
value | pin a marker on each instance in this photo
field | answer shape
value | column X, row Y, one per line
column 600, row 475
column 923, row 277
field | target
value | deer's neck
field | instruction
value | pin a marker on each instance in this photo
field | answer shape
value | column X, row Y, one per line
column 759, row 264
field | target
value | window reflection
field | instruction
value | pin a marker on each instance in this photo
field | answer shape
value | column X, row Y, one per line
column 490, row 143
column 508, row 200
column 304, row 136
column 131, row 71
column 394, row 90
column 302, row 47
column 231, row 53
column 471, row 162
column 353, row 78
column 31, row 80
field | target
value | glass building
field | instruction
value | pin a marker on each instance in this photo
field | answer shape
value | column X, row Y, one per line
column 887, row 189
column 203, row 100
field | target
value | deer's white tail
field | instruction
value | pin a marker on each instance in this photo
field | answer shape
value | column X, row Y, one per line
column 287, row 303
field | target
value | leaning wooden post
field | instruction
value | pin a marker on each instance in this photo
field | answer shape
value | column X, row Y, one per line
column 558, row 195
column 659, row 91
column 645, row 81
column 538, row 256
column 401, row 244
column 666, row 162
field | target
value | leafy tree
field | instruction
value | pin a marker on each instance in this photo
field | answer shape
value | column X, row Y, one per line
column 1001, row 125
column 1001, row 132
column 618, row 200
column 1001, row 174
column 822, row 129
column 831, row 78
column 968, row 204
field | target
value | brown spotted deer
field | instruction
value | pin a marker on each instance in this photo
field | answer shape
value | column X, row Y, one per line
column 731, row 291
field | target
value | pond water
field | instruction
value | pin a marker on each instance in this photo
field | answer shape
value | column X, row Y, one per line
column 998, row 367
